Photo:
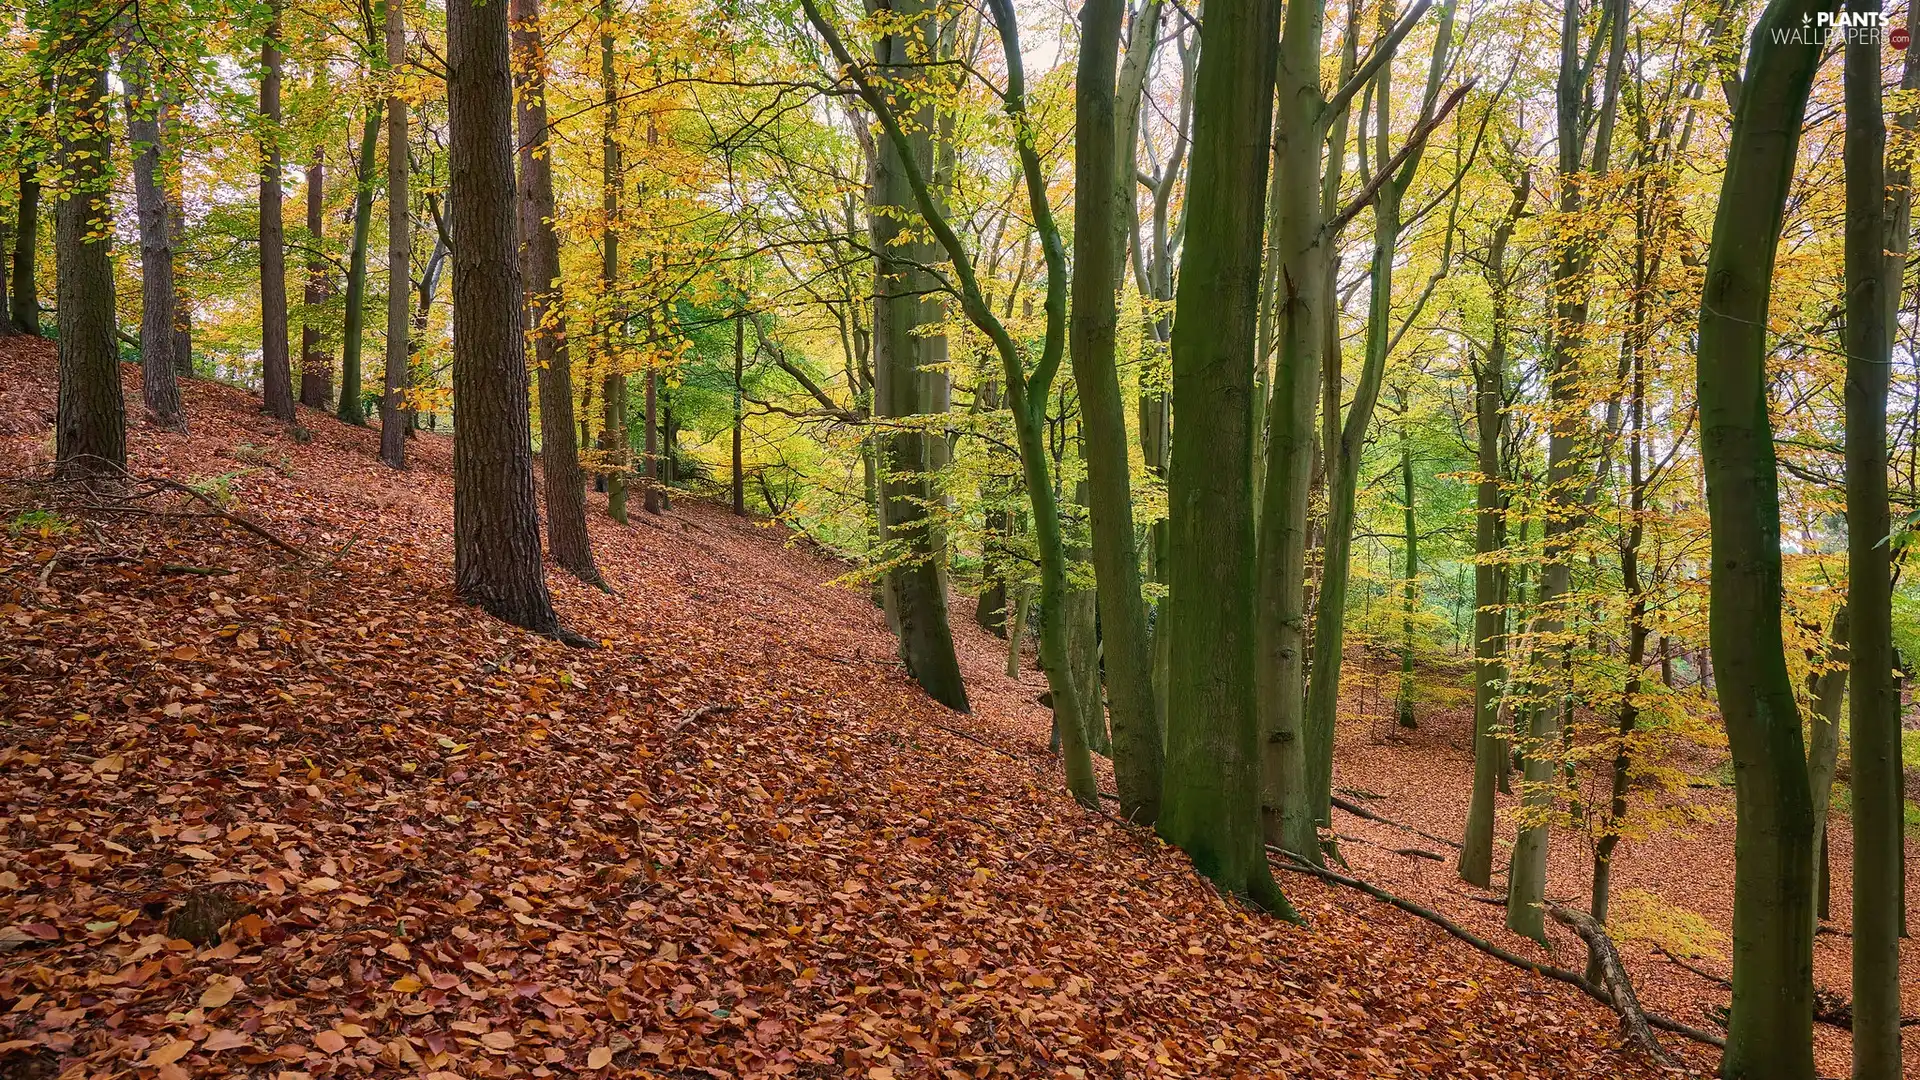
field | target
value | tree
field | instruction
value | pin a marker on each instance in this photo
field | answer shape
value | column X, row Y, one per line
column 566, row 497
column 393, row 412
column 1489, row 578
column 158, row 386
column 276, row 367
column 1552, row 702
column 1387, row 188
column 316, row 364
column 1210, row 802
column 23, row 300
column 903, row 389
column 90, row 425
column 351, row 409
column 496, row 530
column 1770, row 1029
column 1027, row 392
column 1098, row 250
column 1873, row 713
column 614, row 440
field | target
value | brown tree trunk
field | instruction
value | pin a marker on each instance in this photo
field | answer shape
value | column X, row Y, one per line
column 23, row 301
column 316, row 364
column 739, row 364
column 276, row 367
column 613, row 396
column 496, row 528
column 90, row 428
column 158, row 386
column 176, row 238
column 540, row 248
column 399, row 374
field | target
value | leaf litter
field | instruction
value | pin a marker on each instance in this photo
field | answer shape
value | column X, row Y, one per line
column 439, row 846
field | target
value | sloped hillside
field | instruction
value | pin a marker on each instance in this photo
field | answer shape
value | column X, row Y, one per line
column 733, row 841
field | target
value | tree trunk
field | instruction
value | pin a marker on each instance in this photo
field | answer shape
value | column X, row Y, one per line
column 1873, row 713
column 158, row 385
column 907, row 488
column 1410, row 597
column 398, row 369
column 739, row 414
column 1770, row 1031
column 567, row 537
column 176, row 234
column 1098, row 251
column 496, row 529
column 23, row 300
column 656, row 497
column 316, row 365
column 1829, row 692
column 351, row 409
column 613, row 428
column 1210, row 805
column 1489, row 580
column 276, row 367
column 1551, row 676
column 90, row 429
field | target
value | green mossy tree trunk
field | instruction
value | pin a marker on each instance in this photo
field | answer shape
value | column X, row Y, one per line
column 1098, row 250
column 1770, row 1030
column 1210, row 803
column 1489, row 576
column 1873, row 711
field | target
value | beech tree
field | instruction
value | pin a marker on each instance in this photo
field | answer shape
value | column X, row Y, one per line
column 158, row 385
column 1770, row 1027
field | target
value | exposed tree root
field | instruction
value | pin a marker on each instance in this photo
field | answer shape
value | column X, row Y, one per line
column 1571, row 978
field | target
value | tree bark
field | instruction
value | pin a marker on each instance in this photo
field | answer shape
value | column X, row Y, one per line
column 566, row 500
column 1873, row 712
column 316, row 365
column 613, row 428
column 276, row 367
column 907, row 487
column 398, row 366
column 23, row 300
column 496, row 530
column 739, row 414
column 1098, row 250
column 158, row 384
column 1410, row 595
column 1770, row 1030
column 90, row 426
column 1210, row 805
column 176, row 232
column 1489, row 578
column 351, row 408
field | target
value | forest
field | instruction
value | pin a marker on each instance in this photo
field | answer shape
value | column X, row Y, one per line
column 737, row 577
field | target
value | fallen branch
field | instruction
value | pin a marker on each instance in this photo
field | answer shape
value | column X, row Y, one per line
column 1360, row 811
column 704, row 712
column 1598, row 993
column 1726, row 984
column 1625, row 1001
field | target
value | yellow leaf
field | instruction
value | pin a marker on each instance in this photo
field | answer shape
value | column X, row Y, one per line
column 218, row 992
column 407, row 984
column 170, row 1053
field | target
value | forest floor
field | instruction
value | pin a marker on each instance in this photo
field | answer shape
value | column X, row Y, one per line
column 735, row 840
